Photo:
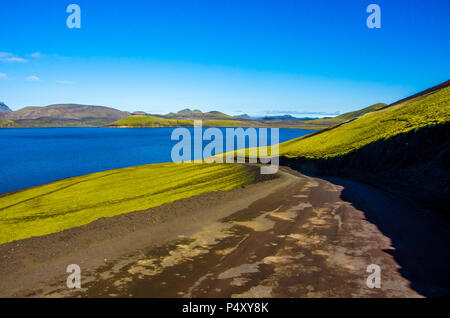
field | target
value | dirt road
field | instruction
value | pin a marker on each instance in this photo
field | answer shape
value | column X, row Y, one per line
column 301, row 239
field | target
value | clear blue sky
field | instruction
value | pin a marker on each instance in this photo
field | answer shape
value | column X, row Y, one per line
column 257, row 57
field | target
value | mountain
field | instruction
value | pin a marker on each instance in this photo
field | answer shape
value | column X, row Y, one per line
column 216, row 114
column 139, row 113
column 197, row 115
column 74, row 115
column 4, row 108
column 67, row 111
column 64, row 115
column 186, row 117
column 144, row 121
column 141, row 121
column 188, row 112
column 243, row 117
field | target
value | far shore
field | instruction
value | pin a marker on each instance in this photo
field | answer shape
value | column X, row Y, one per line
column 280, row 127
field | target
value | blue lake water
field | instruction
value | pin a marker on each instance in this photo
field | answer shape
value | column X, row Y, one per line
column 34, row 156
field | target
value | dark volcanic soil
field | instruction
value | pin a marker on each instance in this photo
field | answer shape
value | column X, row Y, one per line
column 295, row 236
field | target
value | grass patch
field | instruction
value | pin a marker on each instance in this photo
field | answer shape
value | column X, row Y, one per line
column 7, row 124
column 430, row 109
column 145, row 121
column 137, row 121
column 153, row 121
column 150, row 121
column 225, row 123
column 347, row 116
column 77, row 201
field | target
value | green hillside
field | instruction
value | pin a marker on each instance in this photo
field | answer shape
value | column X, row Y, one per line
column 413, row 113
column 76, row 201
column 225, row 123
column 150, row 121
column 216, row 114
column 7, row 124
column 153, row 121
column 347, row 116
column 197, row 115
column 430, row 109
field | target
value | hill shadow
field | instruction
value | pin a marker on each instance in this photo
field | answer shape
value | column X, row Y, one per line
column 420, row 238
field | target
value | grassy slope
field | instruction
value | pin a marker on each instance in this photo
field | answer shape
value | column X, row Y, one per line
column 139, row 121
column 425, row 110
column 77, row 201
column 152, row 121
column 347, row 116
column 430, row 109
column 7, row 124
column 225, row 123
column 197, row 114
column 217, row 115
column 56, row 122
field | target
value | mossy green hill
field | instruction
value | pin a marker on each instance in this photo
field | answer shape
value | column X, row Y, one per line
column 150, row 121
column 425, row 110
column 7, row 124
column 77, row 201
column 137, row 121
column 347, row 116
column 430, row 108
column 197, row 115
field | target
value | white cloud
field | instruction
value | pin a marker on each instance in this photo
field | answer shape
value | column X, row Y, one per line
column 16, row 59
column 3, row 75
column 32, row 78
column 36, row 55
column 11, row 58
column 65, row 82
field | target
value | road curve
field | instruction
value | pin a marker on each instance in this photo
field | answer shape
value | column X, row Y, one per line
column 300, row 240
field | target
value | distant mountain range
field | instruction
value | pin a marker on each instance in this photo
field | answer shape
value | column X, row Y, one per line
column 63, row 115
column 4, row 108
column 197, row 115
column 75, row 115
column 286, row 117
column 348, row 116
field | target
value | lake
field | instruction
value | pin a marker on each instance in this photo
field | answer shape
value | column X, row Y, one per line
column 35, row 156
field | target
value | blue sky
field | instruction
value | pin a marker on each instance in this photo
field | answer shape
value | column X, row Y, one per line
column 237, row 56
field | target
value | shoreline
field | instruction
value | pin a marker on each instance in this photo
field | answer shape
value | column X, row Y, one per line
column 249, row 242
column 284, row 127
column 118, row 233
